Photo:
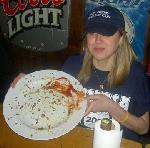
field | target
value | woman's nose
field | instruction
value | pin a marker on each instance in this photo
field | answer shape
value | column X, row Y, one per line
column 98, row 37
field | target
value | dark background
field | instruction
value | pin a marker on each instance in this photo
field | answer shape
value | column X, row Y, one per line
column 27, row 60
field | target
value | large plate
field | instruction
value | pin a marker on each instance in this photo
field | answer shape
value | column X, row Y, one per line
column 35, row 79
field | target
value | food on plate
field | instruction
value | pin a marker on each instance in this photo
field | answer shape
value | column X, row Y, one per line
column 44, row 109
column 49, row 104
column 64, row 86
column 44, row 105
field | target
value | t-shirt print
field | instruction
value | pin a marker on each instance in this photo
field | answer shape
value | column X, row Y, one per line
column 91, row 118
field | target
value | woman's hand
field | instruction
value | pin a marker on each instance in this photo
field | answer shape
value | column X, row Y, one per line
column 101, row 103
column 13, row 84
column 98, row 103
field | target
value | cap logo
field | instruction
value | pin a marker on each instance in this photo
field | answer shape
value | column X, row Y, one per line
column 103, row 14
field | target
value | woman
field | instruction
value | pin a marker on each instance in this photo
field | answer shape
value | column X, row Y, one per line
column 114, row 81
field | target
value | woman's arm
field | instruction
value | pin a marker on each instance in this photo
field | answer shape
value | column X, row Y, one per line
column 100, row 103
column 16, row 79
column 139, row 125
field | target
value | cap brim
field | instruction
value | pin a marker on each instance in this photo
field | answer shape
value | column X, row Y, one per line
column 101, row 28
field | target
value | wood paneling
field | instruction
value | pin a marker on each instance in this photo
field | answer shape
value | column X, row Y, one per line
column 28, row 60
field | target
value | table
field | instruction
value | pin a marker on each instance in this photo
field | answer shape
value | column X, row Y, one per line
column 77, row 138
column 147, row 146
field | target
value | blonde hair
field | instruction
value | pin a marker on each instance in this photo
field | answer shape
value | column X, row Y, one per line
column 124, row 57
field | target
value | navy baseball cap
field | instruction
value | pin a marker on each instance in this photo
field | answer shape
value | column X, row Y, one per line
column 105, row 20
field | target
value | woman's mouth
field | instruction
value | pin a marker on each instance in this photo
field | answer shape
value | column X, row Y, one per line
column 99, row 49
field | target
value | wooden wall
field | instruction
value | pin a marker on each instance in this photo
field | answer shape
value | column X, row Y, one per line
column 28, row 60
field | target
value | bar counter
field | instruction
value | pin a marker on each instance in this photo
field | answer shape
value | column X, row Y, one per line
column 77, row 138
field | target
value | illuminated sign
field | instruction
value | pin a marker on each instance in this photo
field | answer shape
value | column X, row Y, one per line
column 41, row 25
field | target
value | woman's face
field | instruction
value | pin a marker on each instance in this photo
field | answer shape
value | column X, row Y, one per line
column 102, row 47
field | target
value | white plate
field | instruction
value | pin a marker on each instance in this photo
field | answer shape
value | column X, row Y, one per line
column 34, row 80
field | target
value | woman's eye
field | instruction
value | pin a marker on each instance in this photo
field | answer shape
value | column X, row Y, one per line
column 92, row 33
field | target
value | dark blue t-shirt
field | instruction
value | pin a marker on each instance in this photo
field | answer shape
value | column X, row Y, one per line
column 133, row 95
